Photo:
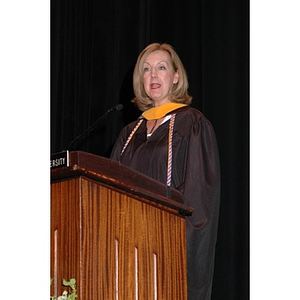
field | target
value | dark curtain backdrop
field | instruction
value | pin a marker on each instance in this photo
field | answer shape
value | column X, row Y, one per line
column 94, row 45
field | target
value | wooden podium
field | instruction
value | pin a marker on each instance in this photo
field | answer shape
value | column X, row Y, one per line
column 114, row 231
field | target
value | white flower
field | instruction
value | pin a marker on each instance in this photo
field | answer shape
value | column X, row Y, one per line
column 64, row 296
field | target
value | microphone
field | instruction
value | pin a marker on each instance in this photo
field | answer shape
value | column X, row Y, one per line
column 95, row 124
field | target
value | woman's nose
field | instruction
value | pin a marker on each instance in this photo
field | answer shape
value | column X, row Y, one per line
column 153, row 73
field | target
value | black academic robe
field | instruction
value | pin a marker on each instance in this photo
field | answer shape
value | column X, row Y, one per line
column 195, row 173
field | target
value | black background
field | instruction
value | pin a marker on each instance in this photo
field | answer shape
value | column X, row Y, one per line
column 94, row 46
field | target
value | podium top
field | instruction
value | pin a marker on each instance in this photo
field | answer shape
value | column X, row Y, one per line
column 116, row 175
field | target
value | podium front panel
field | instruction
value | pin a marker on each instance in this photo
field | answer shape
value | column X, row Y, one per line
column 116, row 245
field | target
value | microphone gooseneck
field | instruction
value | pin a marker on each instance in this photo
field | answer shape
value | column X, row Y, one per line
column 94, row 125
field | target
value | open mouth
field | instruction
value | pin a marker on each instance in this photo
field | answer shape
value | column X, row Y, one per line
column 155, row 85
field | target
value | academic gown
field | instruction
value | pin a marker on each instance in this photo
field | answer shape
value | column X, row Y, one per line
column 195, row 173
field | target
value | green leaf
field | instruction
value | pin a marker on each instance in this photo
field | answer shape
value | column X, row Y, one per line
column 72, row 297
column 65, row 296
column 66, row 283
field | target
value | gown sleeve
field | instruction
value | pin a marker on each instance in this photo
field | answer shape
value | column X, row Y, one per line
column 201, row 190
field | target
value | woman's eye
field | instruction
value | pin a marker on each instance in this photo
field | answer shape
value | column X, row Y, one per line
column 162, row 68
column 146, row 69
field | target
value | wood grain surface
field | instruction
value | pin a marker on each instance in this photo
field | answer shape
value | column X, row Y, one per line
column 116, row 246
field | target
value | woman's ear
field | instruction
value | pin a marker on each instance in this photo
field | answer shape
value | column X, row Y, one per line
column 176, row 77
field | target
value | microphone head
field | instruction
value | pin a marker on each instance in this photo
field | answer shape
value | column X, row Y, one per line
column 119, row 106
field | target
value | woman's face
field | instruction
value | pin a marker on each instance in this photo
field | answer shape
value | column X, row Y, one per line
column 159, row 76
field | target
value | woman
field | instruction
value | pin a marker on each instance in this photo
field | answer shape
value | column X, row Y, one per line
column 176, row 145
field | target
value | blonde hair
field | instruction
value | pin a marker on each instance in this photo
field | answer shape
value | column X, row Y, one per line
column 179, row 92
